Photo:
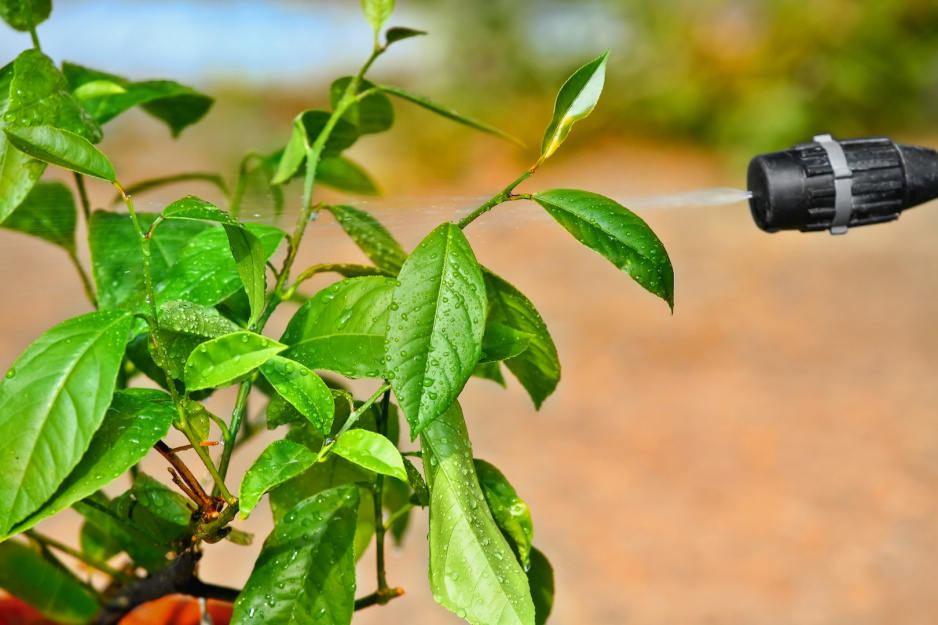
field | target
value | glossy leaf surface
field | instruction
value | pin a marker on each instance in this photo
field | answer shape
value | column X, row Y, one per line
column 97, row 89
column 371, row 114
column 340, row 173
column 303, row 389
column 615, row 232
column 175, row 105
column 62, row 148
column 280, row 461
column 511, row 513
column 222, row 360
column 48, row 212
column 577, row 99
column 52, row 401
column 24, row 15
column 371, row 237
column 541, row 580
column 26, row 574
column 183, row 327
column 377, row 12
column 305, row 572
column 342, row 328
column 436, row 325
column 196, row 209
column 119, row 519
column 421, row 491
column 165, row 513
column 473, row 572
column 537, row 367
column 501, row 342
column 136, row 419
column 447, row 112
column 372, row 451
column 250, row 259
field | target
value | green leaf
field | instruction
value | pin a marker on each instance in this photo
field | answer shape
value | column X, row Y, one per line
column 125, row 521
column 293, row 154
column 97, row 89
column 251, row 260
column 303, row 389
column 541, row 580
column 576, row 99
column 26, row 574
column 136, row 419
column 537, row 367
column 206, row 272
column 448, row 113
column 276, row 464
column 63, row 148
column 48, row 212
column 372, row 451
column 52, row 401
column 436, row 325
column 490, row 371
column 343, row 134
column 417, row 483
column 399, row 33
column 342, row 328
column 372, row 114
column 220, row 361
column 183, row 327
column 116, row 258
column 511, row 513
column 306, row 568
column 377, row 12
column 371, row 237
column 97, row 543
column 473, row 572
column 18, row 172
column 168, row 511
column 502, row 342
column 615, row 232
column 280, row 411
column 199, row 419
column 340, row 173
column 176, row 105
column 192, row 208
column 25, row 15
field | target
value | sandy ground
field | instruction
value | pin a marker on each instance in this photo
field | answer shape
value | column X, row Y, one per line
column 768, row 454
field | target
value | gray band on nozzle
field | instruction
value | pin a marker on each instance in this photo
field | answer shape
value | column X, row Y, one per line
column 843, row 183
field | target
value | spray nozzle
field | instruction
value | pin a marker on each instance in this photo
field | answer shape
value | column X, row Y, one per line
column 836, row 185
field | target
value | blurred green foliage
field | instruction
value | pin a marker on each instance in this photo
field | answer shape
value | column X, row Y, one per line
column 742, row 75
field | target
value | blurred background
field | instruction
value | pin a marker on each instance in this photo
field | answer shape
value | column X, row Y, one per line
column 769, row 453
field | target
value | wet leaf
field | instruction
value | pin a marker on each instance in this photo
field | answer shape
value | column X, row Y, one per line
column 615, row 232
column 417, row 483
column 303, row 389
column 280, row 411
column 25, row 15
column 97, row 543
column 128, row 525
column 342, row 328
column 52, row 401
column 199, row 420
column 175, row 105
column 436, row 325
column 220, row 361
column 448, row 113
column 399, row 33
column 537, row 367
column 251, row 260
column 168, row 510
column 371, row 237
column 473, row 572
column 62, row 148
column 577, row 99
column 340, row 173
column 183, row 327
column 48, row 212
column 541, row 580
column 501, row 342
column 377, row 12
column 193, row 208
column 26, row 574
column 372, row 451
column 372, row 114
column 511, row 513
column 134, row 422
column 280, row 461
column 306, row 569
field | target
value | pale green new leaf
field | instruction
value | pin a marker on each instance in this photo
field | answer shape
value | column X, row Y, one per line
column 576, row 99
column 377, row 12
column 293, row 154
column 511, row 513
column 136, row 419
column 303, row 389
column 96, row 89
column 280, row 461
column 305, row 572
column 436, row 325
column 371, row 237
column 48, row 212
column 615, row 232
column 62, row 148
column 220, row 361
column 473, row 572
column 251, row 260
column 52, row 401
column 193, row 208
column 372, row 451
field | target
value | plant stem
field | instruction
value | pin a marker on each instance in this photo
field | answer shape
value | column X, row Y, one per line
column 398, row 514
column 382, row 423
column 504, row 196
column 85, row 281
column 352, row 419
column 83, row 196
column 154, row 183
column 104, row 568
column 237, row 416
column 34, row 37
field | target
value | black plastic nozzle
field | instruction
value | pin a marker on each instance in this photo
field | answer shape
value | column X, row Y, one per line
column 836, row 185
